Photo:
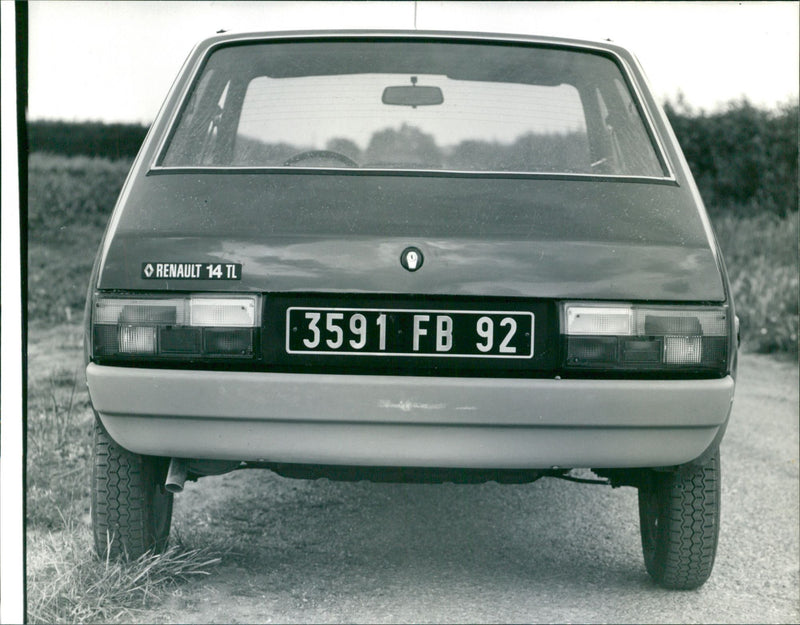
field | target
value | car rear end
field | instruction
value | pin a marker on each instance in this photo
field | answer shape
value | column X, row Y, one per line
column 419, row 254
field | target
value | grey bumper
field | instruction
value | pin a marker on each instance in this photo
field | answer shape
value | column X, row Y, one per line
column 409, row 421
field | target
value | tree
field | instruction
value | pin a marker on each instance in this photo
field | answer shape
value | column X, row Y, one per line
column 407, row 145
column 344, row 146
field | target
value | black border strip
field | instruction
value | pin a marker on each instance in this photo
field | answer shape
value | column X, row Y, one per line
column 21, row 45
column 422, row 173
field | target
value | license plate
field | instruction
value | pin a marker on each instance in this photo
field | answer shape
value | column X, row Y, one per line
column 407, row 332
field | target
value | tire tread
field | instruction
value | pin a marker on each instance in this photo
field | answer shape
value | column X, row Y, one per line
column 683, row 555
column 123, row 510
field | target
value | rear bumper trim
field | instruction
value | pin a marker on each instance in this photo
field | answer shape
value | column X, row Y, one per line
column 409, row 421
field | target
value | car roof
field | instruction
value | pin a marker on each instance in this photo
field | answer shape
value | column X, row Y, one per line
column 230, row 37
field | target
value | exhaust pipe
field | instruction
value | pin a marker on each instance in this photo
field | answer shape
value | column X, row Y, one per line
column 176, row 475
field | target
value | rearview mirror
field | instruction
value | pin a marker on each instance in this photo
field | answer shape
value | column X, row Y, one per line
column 411, row 95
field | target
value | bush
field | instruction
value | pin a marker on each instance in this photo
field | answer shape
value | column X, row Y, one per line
column 762, row 257
column 743, row 158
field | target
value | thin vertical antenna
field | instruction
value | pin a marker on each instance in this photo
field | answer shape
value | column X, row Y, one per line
column 415, row 14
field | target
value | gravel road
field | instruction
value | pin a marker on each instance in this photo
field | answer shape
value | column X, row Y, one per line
column 552, row 551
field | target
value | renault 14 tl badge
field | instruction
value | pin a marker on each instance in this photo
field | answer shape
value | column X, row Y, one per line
column 191, row 271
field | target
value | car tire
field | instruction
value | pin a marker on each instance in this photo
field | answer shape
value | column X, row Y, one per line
column 131, row 510
column 679, row 520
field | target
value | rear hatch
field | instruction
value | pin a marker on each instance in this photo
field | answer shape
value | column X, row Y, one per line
column 501, row 247
column 480, row 237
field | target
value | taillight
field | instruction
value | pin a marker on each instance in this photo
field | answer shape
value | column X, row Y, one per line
column 629, row 337
column 197, row 326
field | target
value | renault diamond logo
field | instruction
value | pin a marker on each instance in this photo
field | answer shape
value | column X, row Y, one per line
column 148, row 270
column 411, row 258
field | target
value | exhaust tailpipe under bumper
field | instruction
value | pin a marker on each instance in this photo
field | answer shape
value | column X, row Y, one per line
column 176, row 475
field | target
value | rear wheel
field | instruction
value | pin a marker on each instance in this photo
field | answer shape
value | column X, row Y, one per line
column 679, row 520
column 131, row 510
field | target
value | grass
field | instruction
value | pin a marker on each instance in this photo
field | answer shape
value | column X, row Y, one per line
column 66, row 586
column 59, row 428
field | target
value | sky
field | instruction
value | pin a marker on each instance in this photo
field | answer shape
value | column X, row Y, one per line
column 115, row 61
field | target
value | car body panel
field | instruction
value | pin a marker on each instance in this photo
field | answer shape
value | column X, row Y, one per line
column 341, row 233
column 410, row 421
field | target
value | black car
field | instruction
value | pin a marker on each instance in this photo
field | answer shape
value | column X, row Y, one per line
column 412, row 256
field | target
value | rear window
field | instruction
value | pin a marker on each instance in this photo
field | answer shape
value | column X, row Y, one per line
column 412, row 105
